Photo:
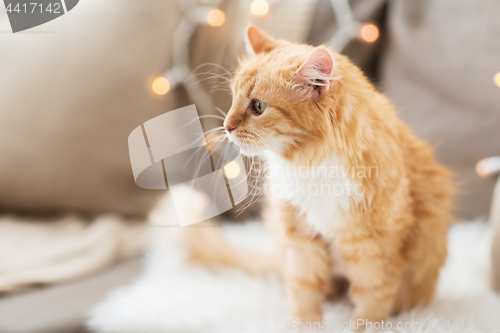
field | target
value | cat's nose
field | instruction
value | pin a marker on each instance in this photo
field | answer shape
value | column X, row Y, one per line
column 230, row 128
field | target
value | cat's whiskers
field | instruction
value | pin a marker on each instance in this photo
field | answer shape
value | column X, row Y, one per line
column 211, row 116
column 211, row 131
column 196, row 141
column 246, row 177
column 208, row 76
column 261, row 177
column 225, row 77
column 262, row 169
column 221, row 89
column 220, row 110
column 212, row 77
column 215, row 65
column 259, row 180
column 247, row 161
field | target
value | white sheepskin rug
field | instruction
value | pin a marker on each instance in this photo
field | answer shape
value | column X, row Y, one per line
column 170, row 296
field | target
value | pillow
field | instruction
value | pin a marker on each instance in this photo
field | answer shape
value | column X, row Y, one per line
column 71, row 91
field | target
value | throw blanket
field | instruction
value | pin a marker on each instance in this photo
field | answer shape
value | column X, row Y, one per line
column 33, row 251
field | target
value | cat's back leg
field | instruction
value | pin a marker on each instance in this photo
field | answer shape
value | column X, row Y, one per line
column 426, row 255
column 431, row 191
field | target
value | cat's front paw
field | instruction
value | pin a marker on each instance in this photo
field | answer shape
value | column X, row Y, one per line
column 310, row 317
column 363, row 321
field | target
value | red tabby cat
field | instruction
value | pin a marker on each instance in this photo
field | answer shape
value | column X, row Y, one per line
column 353, row 189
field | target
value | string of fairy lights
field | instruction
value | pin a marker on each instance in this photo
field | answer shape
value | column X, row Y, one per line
column 195, row 14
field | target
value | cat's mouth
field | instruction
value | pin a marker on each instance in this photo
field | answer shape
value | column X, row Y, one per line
column 249, row 145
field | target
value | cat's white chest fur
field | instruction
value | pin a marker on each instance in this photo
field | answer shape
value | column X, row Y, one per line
column 324, row 193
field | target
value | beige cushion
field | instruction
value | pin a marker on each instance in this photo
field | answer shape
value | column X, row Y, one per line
column 58, row 250
column 71, row 91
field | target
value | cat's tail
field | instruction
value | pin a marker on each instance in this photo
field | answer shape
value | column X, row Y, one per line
column 204, row 243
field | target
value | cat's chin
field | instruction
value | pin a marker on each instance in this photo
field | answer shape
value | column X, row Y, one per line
column 249, row 151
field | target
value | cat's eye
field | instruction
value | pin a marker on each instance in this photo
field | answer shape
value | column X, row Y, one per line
column 258, row 106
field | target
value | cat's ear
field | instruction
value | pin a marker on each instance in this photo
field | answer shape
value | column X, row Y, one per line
column 318, row 71
column 257, row 41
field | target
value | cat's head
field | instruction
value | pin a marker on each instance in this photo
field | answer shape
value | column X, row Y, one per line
column 282, row 95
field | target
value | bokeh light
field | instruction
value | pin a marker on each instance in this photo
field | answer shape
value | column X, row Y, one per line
column 259, row 7
column 232, row 170
column 161, row 86
column 482, row 168
column 496, row 79
column 489, row 166
column 216, row 17
column 369, row 32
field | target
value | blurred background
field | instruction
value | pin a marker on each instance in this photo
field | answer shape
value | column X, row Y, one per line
column 72, row 90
